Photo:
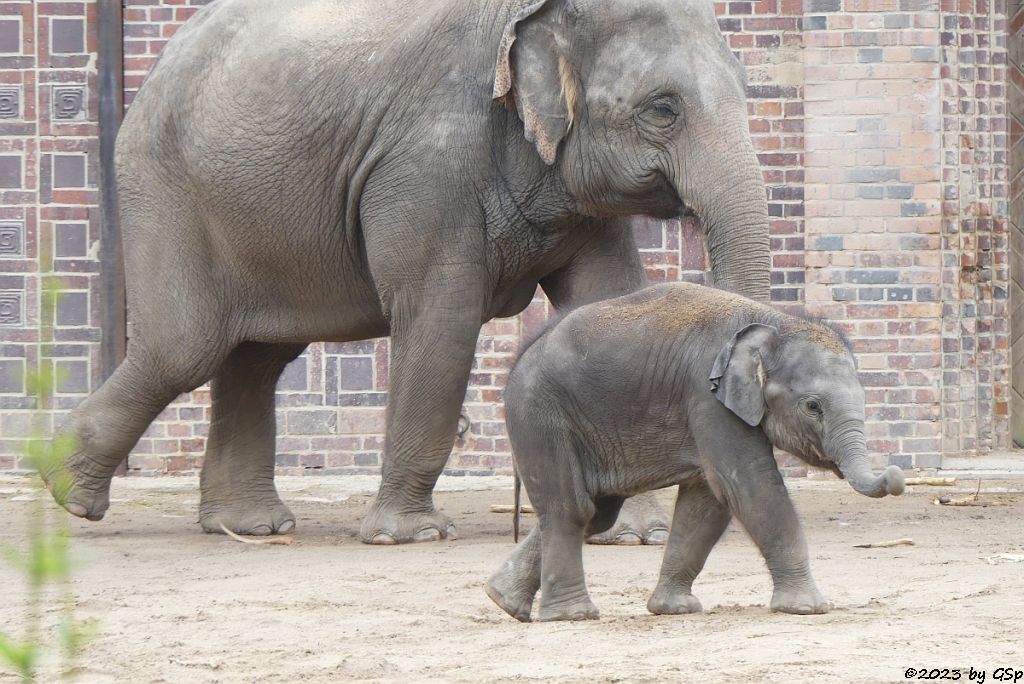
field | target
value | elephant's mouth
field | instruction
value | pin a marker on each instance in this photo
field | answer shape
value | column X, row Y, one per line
column 665, row 201
column 819, row 460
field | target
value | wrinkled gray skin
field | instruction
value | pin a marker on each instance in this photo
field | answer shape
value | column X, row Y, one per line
column 348, row 169
column 617, row 399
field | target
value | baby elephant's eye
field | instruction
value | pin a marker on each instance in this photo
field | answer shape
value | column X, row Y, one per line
column 813, row 406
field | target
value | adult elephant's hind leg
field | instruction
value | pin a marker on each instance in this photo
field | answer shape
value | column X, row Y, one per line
column 640, row 521
column 161, row 364
column 107, row 426
column 237, row 480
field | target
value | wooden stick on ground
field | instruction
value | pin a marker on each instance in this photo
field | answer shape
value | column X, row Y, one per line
column 932, row 481
column 280, row 541
column 969, row 500
column 509, row 508
column 885, row 544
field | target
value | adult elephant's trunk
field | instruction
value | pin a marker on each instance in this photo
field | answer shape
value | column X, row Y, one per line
column 851, row 456
column 726, row 190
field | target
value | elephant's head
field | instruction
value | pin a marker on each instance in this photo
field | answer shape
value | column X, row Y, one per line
column 640, row 107
column 799, row 383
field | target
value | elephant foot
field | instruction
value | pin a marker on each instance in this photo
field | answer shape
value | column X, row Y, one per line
column 807, row 601
column 511, row 591
column 511, row 598
column 665, row 602
column 583, row 609
column 386, row 526
column 249, row 518
column 77, row 488
column 640, row 522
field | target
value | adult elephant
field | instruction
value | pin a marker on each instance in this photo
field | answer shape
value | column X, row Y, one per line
column 349, row 169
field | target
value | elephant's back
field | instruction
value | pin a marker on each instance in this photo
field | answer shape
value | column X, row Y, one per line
column 260, row 60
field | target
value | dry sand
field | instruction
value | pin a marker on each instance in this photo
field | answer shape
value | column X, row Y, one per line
column 177, row 605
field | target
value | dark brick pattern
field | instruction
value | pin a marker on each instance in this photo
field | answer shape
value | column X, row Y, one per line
column 47, row 182
column 975, row 226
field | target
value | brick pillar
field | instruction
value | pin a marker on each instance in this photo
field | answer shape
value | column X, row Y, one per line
column 975, row 279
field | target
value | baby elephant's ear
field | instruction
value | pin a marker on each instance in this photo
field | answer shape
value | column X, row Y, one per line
column 738, row 376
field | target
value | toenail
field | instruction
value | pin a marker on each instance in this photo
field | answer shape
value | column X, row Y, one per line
column 286, row 527
column 382, row 538
column 452, row 533
column 428, row 534
column 260, row 531
column 628, row 539
column 76, row 509
column 657, row 537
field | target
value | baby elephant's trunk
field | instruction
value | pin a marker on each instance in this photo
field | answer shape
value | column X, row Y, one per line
column 853, row 461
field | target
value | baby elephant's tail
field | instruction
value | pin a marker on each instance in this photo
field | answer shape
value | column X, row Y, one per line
column 517, row 488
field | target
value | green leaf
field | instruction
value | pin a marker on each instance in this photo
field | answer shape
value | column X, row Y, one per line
column 64, row 446
column 50, row 559
column 75, row 634
column 21, row 656
column 60, row 484
column 40, row 382
column 37, row 452
column 47, row 457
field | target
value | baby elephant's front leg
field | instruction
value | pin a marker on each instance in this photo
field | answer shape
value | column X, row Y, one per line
column 765, row 510
column 739, row 466
column 698, row 523
column 563, row 593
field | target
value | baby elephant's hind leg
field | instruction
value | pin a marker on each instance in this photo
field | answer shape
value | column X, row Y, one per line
column 516, row 582
column 700, row 519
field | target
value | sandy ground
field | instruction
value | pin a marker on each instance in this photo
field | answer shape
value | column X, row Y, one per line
column 177, row 605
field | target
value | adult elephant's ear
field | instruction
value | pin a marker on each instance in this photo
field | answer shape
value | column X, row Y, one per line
column 534, row 74
column 738, row 376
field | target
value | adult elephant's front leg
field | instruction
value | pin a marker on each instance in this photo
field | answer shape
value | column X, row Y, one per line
column 608, row 265
column 430, row 364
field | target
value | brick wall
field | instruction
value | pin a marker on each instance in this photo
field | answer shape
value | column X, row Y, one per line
column 48, row 199
column 881, row 129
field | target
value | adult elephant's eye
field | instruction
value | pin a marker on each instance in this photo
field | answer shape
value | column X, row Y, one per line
column 813, row 406
column 662, row 111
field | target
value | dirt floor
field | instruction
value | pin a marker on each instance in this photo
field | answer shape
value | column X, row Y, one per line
column 177, row 605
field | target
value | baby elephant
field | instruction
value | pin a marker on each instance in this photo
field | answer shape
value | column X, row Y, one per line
column 682, row 385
